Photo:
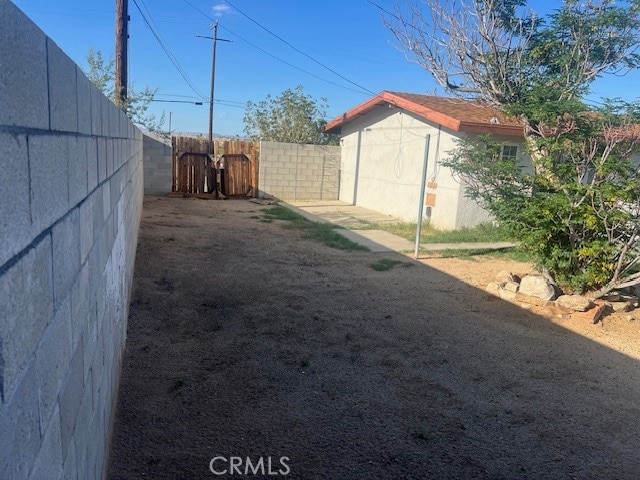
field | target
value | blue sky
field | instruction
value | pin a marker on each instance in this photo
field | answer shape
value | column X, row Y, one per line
column 347, row 36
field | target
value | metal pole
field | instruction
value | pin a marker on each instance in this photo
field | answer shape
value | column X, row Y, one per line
column 423, row 185
column 169, row 123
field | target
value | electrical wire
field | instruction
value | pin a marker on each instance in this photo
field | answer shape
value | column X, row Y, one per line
column 270, row 54
column 385, row 11
column 176, row 95
column 297, row 49
column 175, row 101
column 288, row 63
column 197, row 9
column 168, row 52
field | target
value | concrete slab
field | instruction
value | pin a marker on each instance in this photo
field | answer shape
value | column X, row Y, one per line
column 340, row 213
column 377, row 240
column 355, row 220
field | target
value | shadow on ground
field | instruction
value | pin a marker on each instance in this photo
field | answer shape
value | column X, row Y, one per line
column 246, row 340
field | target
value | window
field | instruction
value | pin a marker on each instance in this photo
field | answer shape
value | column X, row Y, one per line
column 509, row 152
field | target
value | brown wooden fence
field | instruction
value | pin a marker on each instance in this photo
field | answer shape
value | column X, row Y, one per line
column 197, row 172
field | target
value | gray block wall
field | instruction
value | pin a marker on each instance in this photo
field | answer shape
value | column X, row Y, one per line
column 158, row 172
column 299, row 172
column 71, row 186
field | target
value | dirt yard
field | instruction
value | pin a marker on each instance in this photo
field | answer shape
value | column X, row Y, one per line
column 248, row 341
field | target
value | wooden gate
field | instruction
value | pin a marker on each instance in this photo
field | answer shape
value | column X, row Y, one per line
column 195, row 173
column 194, row 168
column 237, row 174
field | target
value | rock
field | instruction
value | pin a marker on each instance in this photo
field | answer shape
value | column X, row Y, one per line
column 537, row 286
column 506, row 294
column 593, row 314
column 576, row 303
column 630, row 299
column 612, row 297
column 627, row 306
column 494, row 288
column 511, row 286
column 505, row 276
column 530, row 299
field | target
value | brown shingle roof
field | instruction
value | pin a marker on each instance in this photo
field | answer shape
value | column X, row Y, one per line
column 453, row 113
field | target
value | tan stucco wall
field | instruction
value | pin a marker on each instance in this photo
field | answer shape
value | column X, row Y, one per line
column 389, row 169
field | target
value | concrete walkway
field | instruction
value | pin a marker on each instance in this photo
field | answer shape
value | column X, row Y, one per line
column 356, row 223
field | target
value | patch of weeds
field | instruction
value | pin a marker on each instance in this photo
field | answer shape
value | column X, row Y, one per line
column 178, row 384
column 385, row 264
column 304, row 363
column 321, row 232
column 485, row 232
column 282, row 213
column 421, row 435
column 515, row 254
column 475, row 254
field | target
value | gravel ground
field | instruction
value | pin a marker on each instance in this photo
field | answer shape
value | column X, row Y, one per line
column 246, row 340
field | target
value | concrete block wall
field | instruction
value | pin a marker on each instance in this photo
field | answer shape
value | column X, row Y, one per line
column 299, row 172
column 71, row 187
column 158, row 171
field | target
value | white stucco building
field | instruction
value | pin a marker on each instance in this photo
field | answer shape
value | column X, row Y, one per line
column 382, row 154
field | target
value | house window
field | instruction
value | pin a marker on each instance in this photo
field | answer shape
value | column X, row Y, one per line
column 509, row 152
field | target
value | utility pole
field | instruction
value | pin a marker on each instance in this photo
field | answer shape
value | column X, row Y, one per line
column 122, row 36
column 213, row 76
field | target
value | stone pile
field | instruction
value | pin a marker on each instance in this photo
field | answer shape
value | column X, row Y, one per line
column 540, row 290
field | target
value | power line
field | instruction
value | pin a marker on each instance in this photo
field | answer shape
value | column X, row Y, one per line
column 222, row 101
column 297, row 49
column 270, row 54
column 175, row 101
column 168, row 52
column 288, row 63
column 176, row 95
column 385, row 10
column 197, row 9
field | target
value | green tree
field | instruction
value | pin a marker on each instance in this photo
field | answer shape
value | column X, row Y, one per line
column 102, row 73
column 291, row 117
column 578, row 209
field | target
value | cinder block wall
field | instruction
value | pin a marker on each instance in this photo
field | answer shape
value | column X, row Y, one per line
column 299, row 172
column 70, row 203
column 157, row 165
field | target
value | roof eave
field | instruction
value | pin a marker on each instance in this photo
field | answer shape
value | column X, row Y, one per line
column 334, row 126
column 480, row 128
